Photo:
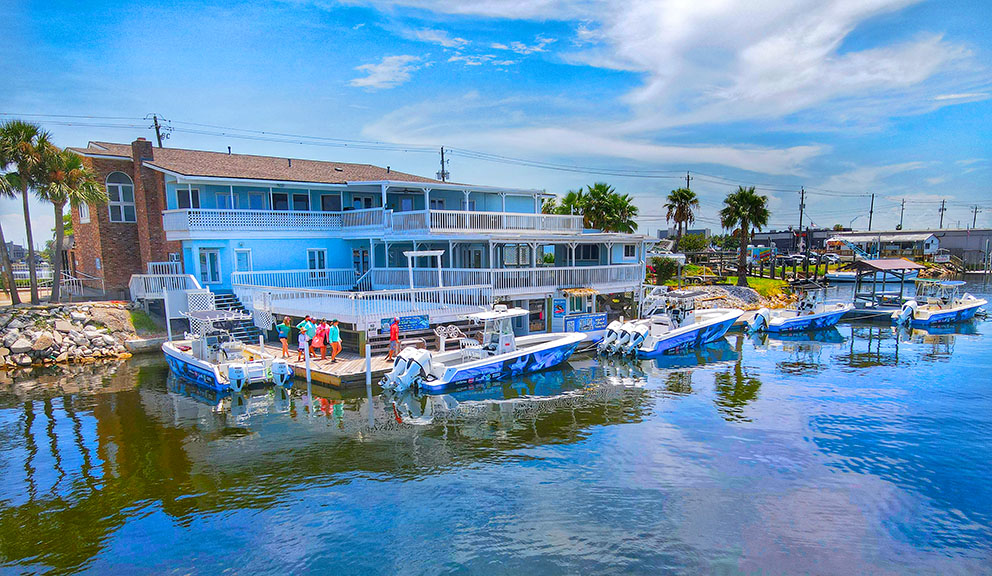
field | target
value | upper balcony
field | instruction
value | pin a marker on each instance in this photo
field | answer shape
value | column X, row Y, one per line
column 201, row 223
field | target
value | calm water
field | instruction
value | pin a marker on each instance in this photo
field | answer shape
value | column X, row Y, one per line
column 861, row 450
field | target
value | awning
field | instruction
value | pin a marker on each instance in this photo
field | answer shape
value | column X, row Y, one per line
column 580, row 291
column 886, row 265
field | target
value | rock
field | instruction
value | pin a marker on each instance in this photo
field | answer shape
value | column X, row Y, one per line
column 10, row 338
column 62, row 357
column 81, row 341
column 92, row 334
column 63, row 326
column 57, row 336
column 43, row 342
column 23, row 360
column 21, row 346
column 115, row 319
column 16, row 324
column 77, row 316
column 4, row 351
column 4, row 319
column 109, row 340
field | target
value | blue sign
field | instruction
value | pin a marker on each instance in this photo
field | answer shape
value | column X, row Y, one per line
column 585, row 322
column 407, row 323
column 558, row 307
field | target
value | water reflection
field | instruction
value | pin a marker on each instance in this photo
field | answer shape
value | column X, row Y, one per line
column 736, row 387
column 804, row 350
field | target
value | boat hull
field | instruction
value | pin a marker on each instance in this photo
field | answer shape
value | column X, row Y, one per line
column 841, row 277
column 960, row 314
column 525, row 361
column 818, row 321
column 196, row 371
column 696, row 335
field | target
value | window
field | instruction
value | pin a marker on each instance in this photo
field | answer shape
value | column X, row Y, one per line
column 120, row 191
column 361, row 202
column 587, row 252
column 470, row 205
column 437, row 203
column 301, row 202
column 226, row 201
column 406, row 204
column 188, row 198
column 629, row 251
column 84, row 213
column 316, row 258
column 242, row 260
column 209, row 266
column 516, row 255
column 175, row 257
column 280, row 201
column 256, row 201
column 330, row 202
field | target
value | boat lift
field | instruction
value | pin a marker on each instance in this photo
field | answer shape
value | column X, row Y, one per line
column 870, row 294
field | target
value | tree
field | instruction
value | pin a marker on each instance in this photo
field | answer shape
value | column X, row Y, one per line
column 549, row 206
column 21, row 143
column 838, row 227
column 573, row 202
column 609, row 211
column 746, row 211
column 680, row 205
column 7, row 191
column 64, row 179
column 693, row 243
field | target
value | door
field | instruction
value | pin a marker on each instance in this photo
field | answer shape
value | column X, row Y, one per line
column 471, row 258
column 360, row 260
column 242, row 260
column 209, row 266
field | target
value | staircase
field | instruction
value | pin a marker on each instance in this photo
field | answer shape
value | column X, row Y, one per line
column 243, row 330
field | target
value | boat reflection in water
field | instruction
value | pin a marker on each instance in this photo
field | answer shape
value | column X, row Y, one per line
column 804, row 349
column 237, row 406
column 937, row 340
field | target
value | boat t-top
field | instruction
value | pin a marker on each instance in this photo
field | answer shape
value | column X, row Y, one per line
column 672, row 322
column 810, row 312
column 938, row 302
column 500, row 355
column 209, row 356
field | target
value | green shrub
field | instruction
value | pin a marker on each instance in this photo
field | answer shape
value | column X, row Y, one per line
column 664, row 269
column 143, row 323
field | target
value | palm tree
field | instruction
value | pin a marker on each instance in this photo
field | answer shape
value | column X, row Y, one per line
column 573, row 202
column 7, row 191
column 64, row 179
column 549, row 206
column 680, row 204
column 746, row 211
column 607, row 210
column 22, row 143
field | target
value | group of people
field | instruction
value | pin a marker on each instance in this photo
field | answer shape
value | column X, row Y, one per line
column 317, row 336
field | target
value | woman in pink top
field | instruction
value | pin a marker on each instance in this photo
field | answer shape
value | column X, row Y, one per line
column 320, row 339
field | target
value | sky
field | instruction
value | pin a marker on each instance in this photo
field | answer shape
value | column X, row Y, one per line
column 846, row 98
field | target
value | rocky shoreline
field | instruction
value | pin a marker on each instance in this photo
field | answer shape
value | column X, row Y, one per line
column 64, row 333
column 738, row 297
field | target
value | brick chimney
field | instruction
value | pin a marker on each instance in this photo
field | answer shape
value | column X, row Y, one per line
column 141, row 149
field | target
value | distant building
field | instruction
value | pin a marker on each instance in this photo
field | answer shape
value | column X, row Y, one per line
column 969, row 245
column 670, row 233
column 16, row 252
column 790, row 241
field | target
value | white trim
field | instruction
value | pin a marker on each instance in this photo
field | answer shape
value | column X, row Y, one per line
column 320, row 250
column 292, row 203
column 84, row 218
column 120, row 203
column 200, row 252
column 247, row 251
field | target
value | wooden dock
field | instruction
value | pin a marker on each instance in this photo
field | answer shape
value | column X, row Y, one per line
column 347, row 372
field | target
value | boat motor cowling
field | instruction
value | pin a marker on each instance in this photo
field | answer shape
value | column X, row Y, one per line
column 282, row 373
column 612, row 333
column 760, row 321
column 237, row 376
column 411, row 367
column 637, row 337
column 624, row 336
column 906, row 313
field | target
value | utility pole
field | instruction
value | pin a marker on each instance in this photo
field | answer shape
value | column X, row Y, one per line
column 443, row 174
column 942, row 210
column 974, row 218
column 158, row 130
column 902, row 208
column 871, row 211
column 687, row 178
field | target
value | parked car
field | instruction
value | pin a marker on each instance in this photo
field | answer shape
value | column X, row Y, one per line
column 830, row 257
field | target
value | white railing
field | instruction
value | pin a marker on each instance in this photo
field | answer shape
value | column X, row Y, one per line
column 325, row 279
column 510, row 280
column 76, row 285
column 165, row 267
column 370, row 219
column 471, row 221
column 152, row 286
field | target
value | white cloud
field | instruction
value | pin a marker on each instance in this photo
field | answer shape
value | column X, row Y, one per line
column 388, row 73
column 540, row 45
column 868, row 179
column 972, row 96
column 434, row 36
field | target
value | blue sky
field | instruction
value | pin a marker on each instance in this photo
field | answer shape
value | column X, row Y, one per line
column 844, row 97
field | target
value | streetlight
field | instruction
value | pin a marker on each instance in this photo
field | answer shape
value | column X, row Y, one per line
column 851, row 225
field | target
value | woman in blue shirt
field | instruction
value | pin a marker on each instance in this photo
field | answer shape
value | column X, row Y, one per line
column 284, row 330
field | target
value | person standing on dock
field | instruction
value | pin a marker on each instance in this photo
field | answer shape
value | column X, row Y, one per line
column 334, row 335
column 284, row 330
column 307, row 328
column 394, row 339
column 320, row 341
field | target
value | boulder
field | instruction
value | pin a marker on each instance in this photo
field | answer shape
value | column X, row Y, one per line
column 44, row 341
column 108, row 340
column 115, row 319
column 22, row 360
column 77, row 316
column 57, row 336
column 92, row 334
column 15, row 324
column 4, row 351
column 21, row 346
column 63, row 326
column 4, row 319
column 10, row 338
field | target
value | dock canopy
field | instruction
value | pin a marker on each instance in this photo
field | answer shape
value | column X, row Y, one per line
column 887, row 265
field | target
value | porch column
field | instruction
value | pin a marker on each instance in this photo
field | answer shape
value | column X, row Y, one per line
column 571, row 247
column 609, row 253
column 440, row 278
column 409, row 268
column 466, row 192
column 232, row 196
column 533, row 254
column 384, row 196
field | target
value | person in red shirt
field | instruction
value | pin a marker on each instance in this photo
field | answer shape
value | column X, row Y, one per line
column 394, row 339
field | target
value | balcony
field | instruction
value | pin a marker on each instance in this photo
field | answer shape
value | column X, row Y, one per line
column 200, row 223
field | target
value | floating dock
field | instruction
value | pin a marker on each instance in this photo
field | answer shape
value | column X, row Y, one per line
column 347, row 372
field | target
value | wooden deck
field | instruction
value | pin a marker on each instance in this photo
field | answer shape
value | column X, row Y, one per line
column 347, row 372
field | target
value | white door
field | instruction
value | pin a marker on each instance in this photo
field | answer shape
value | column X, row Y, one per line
column 209, row 266
column 242, row 260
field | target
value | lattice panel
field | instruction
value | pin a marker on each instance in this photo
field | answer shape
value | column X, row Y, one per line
column 262, row 319
column 200, row 300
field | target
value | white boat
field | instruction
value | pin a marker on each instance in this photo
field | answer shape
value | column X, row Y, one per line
column 938, row 302
column 844, row 277
column 672, row 323
column 810, row 312
column 212, row 358
column 500, row 355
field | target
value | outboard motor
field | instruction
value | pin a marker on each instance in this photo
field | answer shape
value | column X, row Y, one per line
column 411, row 367
column 637, row 338
column 237, row 376
column 612, row 333
column 906, row 313
column 760, row 321
column 282, row 373
column 626, row 332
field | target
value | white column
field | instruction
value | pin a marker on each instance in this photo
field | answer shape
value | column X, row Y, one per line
column 409, row 268
column 232, row 196
column 384, row 196
column 440, row 278
column 502, row 198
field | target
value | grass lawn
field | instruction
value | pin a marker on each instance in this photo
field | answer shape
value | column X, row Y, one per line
column 767, row 287
column 143, row 323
